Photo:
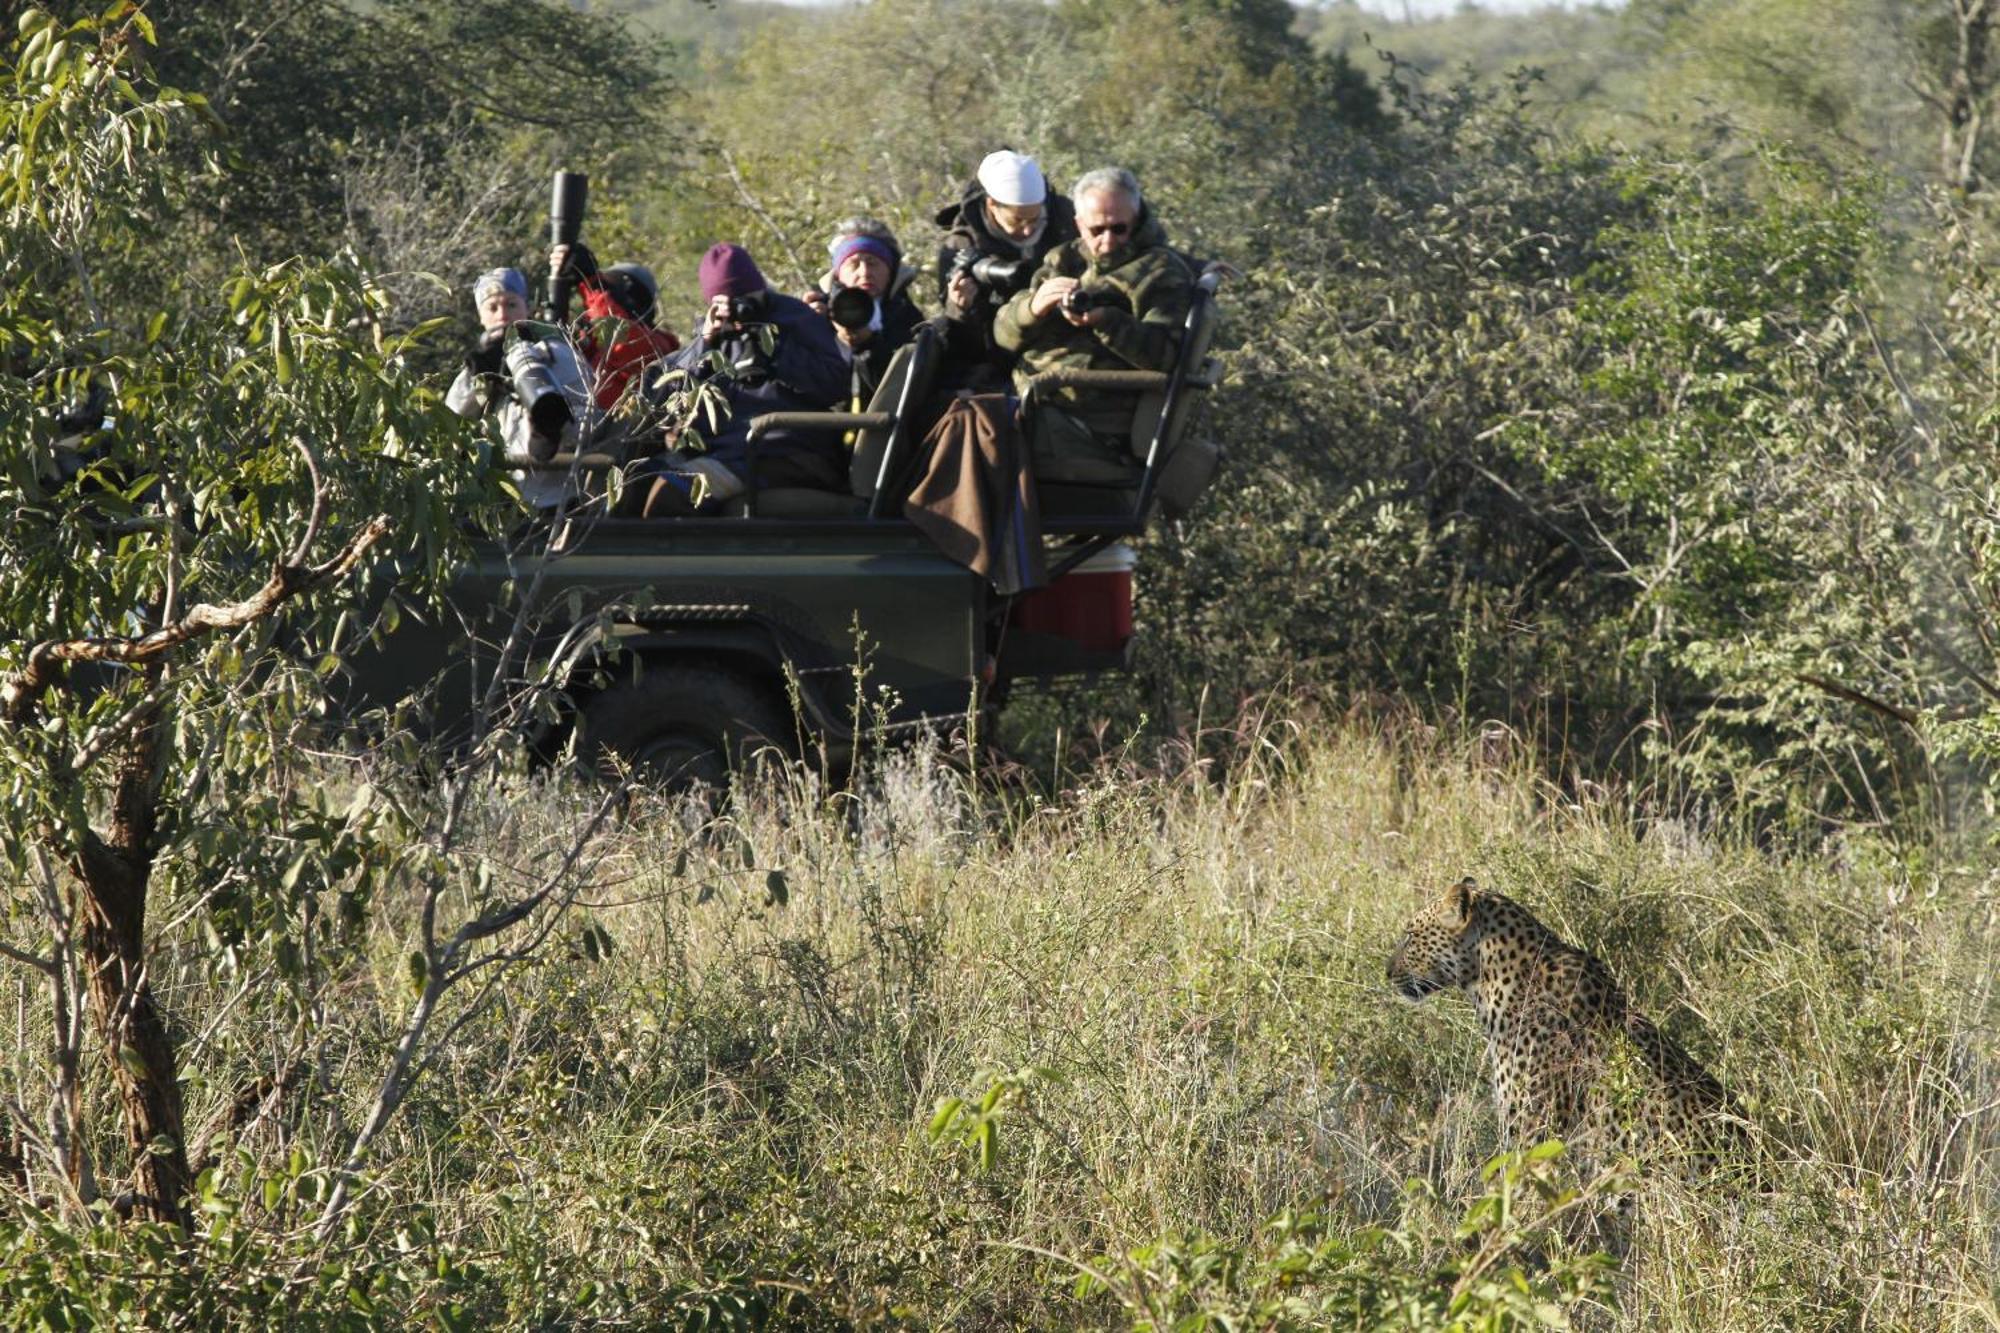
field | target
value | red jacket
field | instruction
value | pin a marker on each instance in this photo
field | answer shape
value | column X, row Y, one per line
column 616, row 364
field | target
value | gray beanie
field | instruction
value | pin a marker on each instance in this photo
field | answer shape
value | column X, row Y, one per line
column 505, row 279
column 641, row 289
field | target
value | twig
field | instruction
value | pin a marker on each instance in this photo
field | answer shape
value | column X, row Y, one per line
column 1986, row 685
column 763, row 215
column 305, row 545
column 109, row 735
column 1840, row 691
column 46, row 966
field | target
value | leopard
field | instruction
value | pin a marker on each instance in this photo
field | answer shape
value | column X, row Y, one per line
column 1560, row 1035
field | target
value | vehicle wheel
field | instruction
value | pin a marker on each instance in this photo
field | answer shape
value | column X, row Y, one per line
column 679, row 727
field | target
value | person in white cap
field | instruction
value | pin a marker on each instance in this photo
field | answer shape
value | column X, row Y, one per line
column 996, row 235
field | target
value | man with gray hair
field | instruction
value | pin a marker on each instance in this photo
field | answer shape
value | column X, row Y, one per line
column 1115, row 298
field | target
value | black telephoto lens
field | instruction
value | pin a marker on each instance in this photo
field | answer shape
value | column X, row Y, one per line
column 850, row 307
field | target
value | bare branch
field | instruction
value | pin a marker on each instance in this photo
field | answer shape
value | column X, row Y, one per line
column 102, row 739
column 46, row 966
column 492, row 923
column 20, row 693
column 299, row 552
column 763, row 215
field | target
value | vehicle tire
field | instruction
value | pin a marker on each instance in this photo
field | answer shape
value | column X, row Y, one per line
column 679, row 727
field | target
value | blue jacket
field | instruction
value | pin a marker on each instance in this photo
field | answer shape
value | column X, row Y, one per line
column 805, row 372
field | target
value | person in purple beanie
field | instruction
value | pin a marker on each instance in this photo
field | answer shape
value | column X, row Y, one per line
column 766, row 352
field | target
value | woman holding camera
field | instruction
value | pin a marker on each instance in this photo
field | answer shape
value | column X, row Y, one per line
column 765, row 352
column 865, row 295
column 538, row 388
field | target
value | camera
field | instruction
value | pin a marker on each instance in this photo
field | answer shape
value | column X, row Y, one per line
column 1078, row 301
column 751, row 309
column 993, row 272
column 538, row 388
column 850, row 307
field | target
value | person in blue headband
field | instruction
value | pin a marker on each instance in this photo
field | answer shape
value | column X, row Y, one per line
column 866, row 294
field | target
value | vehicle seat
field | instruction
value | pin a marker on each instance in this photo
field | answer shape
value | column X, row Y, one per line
column 887, row 457
column 887, row 439
column 796, row 502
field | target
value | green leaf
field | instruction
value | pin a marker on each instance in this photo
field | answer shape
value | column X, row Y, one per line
column 776, row 892
column 946, row 1112
column 987, row 1138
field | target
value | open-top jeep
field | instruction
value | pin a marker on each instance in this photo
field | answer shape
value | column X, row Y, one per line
column 800, row 615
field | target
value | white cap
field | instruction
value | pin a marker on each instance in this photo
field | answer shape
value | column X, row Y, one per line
column 1012, row 179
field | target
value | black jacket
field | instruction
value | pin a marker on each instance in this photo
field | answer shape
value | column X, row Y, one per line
column 804, row 372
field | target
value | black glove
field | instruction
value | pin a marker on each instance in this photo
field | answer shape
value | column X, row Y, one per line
column 487, row 358
column 582, row 264
column 546, row 419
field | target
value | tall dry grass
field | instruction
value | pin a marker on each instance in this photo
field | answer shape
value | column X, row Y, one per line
column 1170, row 966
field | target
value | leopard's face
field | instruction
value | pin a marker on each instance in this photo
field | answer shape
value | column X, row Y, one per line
column 1435, row 951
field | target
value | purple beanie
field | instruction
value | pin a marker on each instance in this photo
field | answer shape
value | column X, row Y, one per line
column 728, row 270
column 869, row 245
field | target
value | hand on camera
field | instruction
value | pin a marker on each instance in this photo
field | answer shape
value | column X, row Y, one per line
column 574, row 262
column 719, row 319
column 962, row 293
column 487, row 355
column 1049, row 297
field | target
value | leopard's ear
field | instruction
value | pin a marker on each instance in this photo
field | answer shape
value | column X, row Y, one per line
column 1462, row 896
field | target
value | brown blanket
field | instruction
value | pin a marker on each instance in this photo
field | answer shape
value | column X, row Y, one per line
column 976, row 500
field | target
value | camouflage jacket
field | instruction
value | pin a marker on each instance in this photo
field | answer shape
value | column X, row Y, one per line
column 1148, row 287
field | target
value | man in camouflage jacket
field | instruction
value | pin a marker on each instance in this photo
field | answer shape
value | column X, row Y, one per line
column 1137, row 289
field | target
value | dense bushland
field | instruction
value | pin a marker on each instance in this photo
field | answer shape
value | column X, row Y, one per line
column 1636, row 502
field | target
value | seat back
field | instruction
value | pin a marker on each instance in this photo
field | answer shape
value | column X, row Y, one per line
column 1156, row 429
column 1177, row 470
column 883, row 455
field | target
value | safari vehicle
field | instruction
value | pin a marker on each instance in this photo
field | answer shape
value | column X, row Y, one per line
column 803, row 616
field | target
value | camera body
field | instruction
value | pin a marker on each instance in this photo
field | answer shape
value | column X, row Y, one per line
column 1079, row 301
column 850, row 307
column 752, row 309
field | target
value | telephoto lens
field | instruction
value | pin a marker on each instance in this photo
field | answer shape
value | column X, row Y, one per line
column 850, row 307
column 997, row 273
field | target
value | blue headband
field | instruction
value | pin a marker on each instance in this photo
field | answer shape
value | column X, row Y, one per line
column 866, row 245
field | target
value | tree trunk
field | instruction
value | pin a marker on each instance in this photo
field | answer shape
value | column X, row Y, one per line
column 1968, row 85
column 115, row 872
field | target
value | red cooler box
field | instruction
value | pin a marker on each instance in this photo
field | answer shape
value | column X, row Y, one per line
column 1090, row 607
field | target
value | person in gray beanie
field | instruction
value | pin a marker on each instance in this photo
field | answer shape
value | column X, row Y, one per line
column 536, row 388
